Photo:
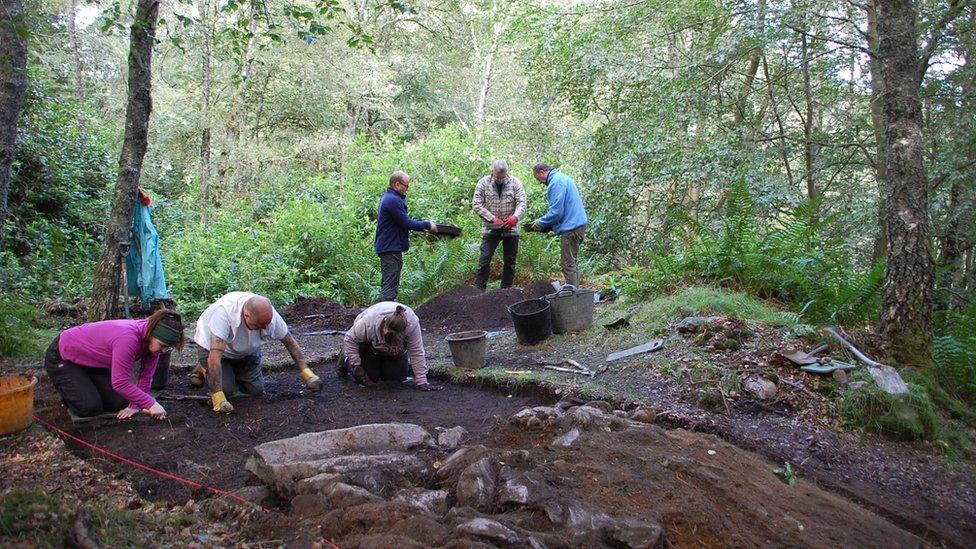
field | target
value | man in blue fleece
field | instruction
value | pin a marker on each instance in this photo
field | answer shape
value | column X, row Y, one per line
column 566, row 217
column 393, row 226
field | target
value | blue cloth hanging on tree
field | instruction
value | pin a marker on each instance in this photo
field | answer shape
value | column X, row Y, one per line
column 143, row 264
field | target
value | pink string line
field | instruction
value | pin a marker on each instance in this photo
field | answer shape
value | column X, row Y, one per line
column 157, row 472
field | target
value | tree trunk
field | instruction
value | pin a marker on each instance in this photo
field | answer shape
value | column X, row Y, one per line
column 877, row 122
column 13, row 83
column 76, row 61
column 906, row 306
column 247, row 64
column 105, row 293
column 205, row 150
column 752, row 69
column 810, row 147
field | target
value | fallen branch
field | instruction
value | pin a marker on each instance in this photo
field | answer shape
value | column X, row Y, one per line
column 176, row 396
column 322, row 332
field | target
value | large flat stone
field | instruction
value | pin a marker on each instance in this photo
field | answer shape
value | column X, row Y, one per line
column 380, row 473
column 376, row 438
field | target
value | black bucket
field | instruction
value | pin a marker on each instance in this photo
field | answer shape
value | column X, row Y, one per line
column 162, row 372
column 532, row 320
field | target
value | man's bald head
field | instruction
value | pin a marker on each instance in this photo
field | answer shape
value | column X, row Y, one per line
column 258, row 313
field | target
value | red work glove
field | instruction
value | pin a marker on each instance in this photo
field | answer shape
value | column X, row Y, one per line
column 511, row 222
column 497, row 221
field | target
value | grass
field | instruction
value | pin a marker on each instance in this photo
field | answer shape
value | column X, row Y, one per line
column 38, row 519
column 898, row 417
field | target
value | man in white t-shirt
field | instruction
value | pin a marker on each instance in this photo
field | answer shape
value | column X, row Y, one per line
column 229, row 336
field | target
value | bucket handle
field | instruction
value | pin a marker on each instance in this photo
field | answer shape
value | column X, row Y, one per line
column 566, row 288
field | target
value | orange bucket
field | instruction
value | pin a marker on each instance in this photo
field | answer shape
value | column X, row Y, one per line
column 16, row 403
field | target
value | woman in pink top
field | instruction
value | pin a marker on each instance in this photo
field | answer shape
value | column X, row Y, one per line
column 91, row 365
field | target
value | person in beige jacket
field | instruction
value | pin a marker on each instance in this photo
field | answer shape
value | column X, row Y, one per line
column 499, row 199
column 383, row 344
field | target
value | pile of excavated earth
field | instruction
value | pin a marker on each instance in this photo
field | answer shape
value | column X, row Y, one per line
column 568, row 475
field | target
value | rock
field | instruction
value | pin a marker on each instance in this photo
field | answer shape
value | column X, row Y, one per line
column 476, row 485
column 694, row 324
column 522, row 488
column 566, row 404
column 578, row 518
column 566, row 439
column 449, row 439
column 888, row 379
column 547, row 412
column 466, row 544
column 385, row 541
column 589, row 418
column 520, row 417
column 459, row 460
column 516, row 457
column 644, row 414
column 761, row 388
column 376, row 517
column 600, row 405
column 855, row 385
column 429, row 501
column 421, row 529
column 380, row 473
column 310, row 505
column 621, row 414
column 373, row 438
column 280, row 462
column 343, row 495
column 318, row 484
column 634, row 533
column 840, row 376
column 256, row 494
column 488, row 529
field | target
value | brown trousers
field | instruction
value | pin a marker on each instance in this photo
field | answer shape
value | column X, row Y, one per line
column 569, row 245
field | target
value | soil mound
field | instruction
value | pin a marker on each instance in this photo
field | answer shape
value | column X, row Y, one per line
column 468, row 308
column 319, row 313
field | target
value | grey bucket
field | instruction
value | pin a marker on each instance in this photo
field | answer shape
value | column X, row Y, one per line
column 572, row 309
column 468, row 348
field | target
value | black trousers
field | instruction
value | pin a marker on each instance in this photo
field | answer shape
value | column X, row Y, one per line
column 85, row 391
column 381, row 367
column 489, row 243
column 391, row 263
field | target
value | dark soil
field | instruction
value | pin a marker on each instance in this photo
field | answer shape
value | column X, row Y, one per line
column 468, row 308
column 202, row 446
column 912, row 488
column 309, row 314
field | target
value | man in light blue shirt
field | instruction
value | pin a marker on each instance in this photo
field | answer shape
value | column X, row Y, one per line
column 566, row 217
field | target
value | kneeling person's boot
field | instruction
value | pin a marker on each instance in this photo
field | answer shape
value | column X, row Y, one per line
column 342, row 367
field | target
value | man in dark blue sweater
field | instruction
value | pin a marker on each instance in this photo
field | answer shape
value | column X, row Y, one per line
column 393, row 224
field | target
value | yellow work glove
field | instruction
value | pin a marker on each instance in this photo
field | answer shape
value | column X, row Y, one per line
column 220, row 404
column 311, row 380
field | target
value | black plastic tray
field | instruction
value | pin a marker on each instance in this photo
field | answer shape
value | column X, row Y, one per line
column 448, row 230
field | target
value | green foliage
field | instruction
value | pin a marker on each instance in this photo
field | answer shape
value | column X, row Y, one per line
column 57, row 195
column 786, row 473
column 18, row 335
column 797, row 259
column 314, row 236
column 899, row 417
